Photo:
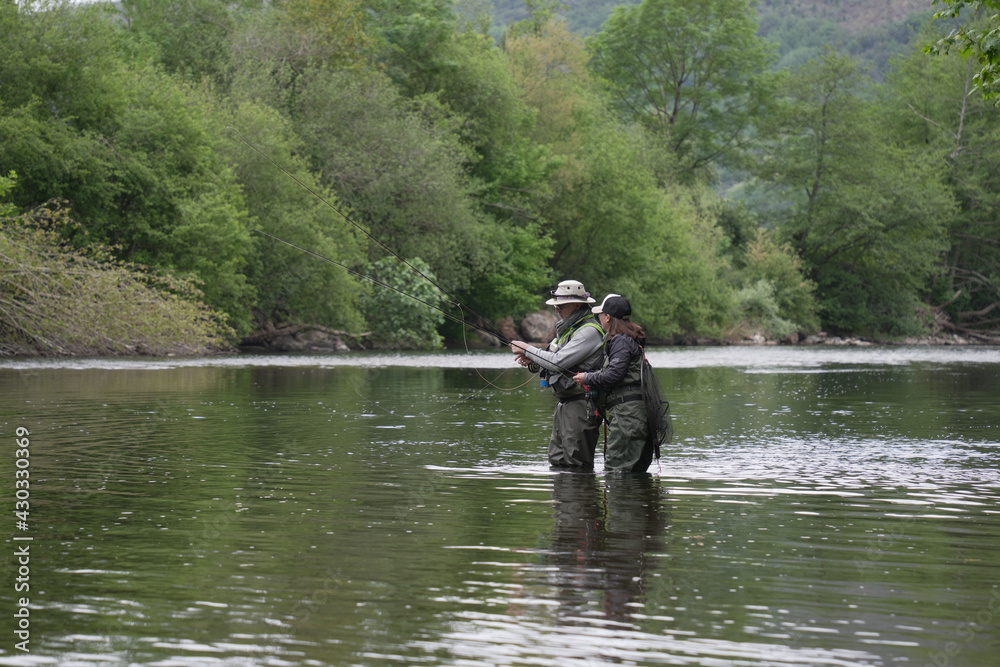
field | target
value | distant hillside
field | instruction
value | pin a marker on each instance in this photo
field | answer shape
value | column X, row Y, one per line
column 871, row 30
column 854, row 16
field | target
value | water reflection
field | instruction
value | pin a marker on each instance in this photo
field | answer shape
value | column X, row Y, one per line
column 809, row 513
column 604, row 533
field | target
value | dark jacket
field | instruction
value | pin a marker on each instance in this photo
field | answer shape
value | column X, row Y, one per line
column 622, row 364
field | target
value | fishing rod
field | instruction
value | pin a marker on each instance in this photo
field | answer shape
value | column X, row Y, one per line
column 487, row 329
column 375, row 281
column 454, row 318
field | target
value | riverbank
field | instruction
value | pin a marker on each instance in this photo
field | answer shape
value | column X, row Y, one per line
column 537, row 328
column 823, row 338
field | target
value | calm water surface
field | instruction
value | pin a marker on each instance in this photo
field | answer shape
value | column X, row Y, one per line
column 818, row 507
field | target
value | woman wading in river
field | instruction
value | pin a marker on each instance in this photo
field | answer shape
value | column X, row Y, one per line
column 620, row 401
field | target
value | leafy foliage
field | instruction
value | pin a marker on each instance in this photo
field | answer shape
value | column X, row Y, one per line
column 7, row 209
column 191, row 37
column 360, row 129
column 270, row 50
column 135, row 153
column 404, row 307
column 407, row 191
column 761, row 312
column 613, row 226
column 979, row 39
column 549, row 67
column 865, row 216
column 781, row 269
column 284, row 199
column 618, row 231
column 930, row 104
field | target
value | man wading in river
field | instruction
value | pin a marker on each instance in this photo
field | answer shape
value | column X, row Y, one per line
column 576, row 347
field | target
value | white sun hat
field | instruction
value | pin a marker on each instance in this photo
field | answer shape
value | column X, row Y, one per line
column 569, row 291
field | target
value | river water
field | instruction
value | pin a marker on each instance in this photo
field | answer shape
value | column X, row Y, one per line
column 818, row 506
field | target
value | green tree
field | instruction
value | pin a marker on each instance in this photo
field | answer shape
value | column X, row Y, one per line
column 410, row 192
column 777, row 266
column 452, row 70
column 397, row 319
column 693, row 71
column 7, row 183
column 517, row 273
column 271, row 49
column 56, row 88
column 60, row 61
column 414, row 41
column 761, row 314
column 191, row 36
column 929, row 103
column 133, row 150
column 613, row 227
column 176, row 203
column 618, row 231
column 455, row 185
column 401, row 175
column 542, row 15
column 285, row 199
column 865, row 215
column 549, row 66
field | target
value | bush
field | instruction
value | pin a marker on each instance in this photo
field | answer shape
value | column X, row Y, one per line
column 58, row 301
column 783, row 270
column 402, row 306
column 761, row 313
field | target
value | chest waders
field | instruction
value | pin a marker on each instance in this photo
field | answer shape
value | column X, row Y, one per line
column 572, row 329
column 573, row 439
column 630, row 390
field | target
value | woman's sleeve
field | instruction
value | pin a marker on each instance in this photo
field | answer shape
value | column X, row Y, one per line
column 619, row 353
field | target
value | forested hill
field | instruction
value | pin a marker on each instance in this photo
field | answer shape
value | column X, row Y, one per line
column 853, row 16
column 870, row 30
column 163, row 165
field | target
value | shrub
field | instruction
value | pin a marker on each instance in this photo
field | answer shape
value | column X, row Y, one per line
column 401, row 307
column 55, row 300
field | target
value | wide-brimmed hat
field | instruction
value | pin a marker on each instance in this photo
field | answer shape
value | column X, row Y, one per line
column 614, row 305
column 569, row 291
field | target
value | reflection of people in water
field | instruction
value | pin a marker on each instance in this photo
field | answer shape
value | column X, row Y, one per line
column 575, row 540
column 601, row 540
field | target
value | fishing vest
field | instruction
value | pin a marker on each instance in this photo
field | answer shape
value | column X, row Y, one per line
column 587, row 321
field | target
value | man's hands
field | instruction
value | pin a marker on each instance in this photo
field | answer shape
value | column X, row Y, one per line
column 519, row 347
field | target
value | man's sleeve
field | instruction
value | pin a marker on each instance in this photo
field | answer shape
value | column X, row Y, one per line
column 583, row 343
